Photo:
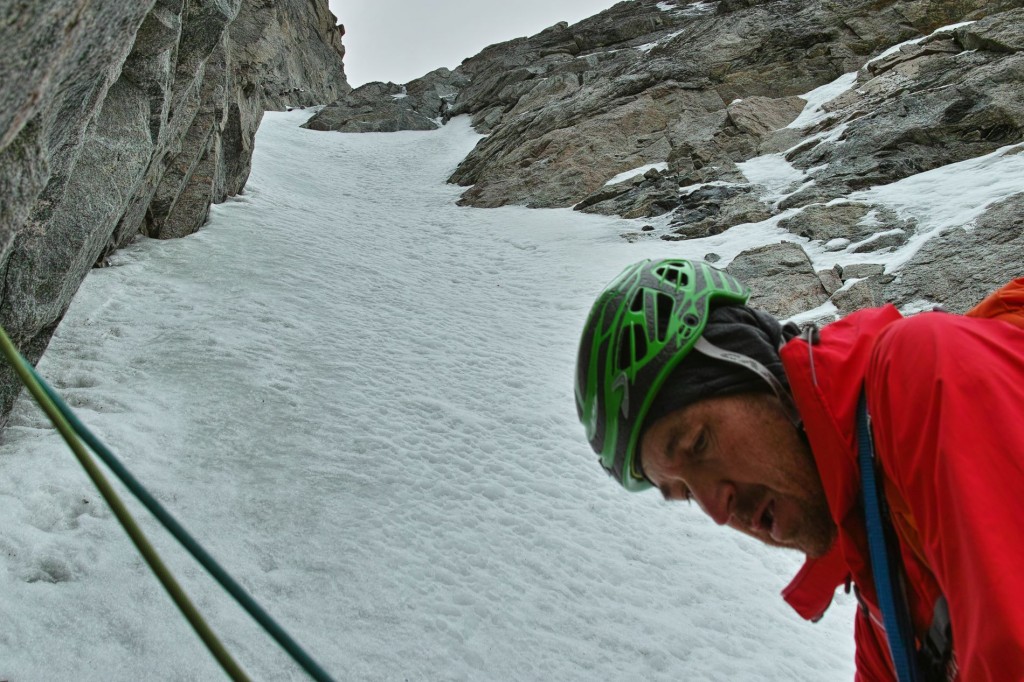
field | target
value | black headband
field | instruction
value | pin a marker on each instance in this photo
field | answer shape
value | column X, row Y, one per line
column 736, row 328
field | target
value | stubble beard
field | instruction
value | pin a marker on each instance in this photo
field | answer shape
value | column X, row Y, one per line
column 819, row 533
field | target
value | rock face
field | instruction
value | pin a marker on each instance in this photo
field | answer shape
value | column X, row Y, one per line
column 124, row 118
column 961, row 266
column 922, row 107
column 647, row 82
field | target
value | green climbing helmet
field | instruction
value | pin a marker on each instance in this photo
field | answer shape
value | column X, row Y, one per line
column 642, row 325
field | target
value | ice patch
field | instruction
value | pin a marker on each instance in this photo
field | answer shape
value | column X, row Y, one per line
column 663, row 166
column 695, row 9
column 896, row 48
column 826, row 311
column 950, row 196
column 647, row 47
column 773, row 172
column 918, row 306
column 813, row 112
column 690, row 189
column 875, row 237
column 870, row 219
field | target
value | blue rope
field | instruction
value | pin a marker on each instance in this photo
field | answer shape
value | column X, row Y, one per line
column 884, row 569
column 243, row 598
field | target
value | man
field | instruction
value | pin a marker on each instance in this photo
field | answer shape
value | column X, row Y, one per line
column 684, row 388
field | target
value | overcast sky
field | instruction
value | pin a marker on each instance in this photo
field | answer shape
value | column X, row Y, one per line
column 399, row 40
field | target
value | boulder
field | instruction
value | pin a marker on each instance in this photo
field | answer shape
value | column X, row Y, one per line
column 642, row 196
column 861, row 270
column 781, row 277
column 825, row 223
column 831, row 280
column 861, row 294
column 889, row 240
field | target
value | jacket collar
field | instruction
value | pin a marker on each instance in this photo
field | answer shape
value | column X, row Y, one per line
column 826, row 380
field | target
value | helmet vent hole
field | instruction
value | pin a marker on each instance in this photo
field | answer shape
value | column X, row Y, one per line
column 637, row 304
column 664, row 306
column 673, row 274
column 639, row 343
column 632, row 347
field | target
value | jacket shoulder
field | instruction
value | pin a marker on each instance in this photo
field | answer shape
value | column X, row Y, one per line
column 923, row 337
column 936, row 338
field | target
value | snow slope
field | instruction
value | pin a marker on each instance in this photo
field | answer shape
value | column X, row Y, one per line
column 359, row 396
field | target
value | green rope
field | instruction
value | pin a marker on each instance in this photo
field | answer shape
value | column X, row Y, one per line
column 188, row 542
column 29, row 378
column 46, row 396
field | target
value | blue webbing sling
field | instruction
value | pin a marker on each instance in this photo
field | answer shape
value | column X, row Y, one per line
column 885, row 566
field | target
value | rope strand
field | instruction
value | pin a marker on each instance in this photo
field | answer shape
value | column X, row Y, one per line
column 71, row 427
column 188, row 609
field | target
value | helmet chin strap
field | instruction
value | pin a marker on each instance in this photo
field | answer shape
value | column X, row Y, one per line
column 711, row 350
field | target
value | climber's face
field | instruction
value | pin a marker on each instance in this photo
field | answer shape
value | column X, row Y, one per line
column 741, row 459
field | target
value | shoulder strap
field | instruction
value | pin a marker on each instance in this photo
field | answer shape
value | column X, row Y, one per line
column 885, row 567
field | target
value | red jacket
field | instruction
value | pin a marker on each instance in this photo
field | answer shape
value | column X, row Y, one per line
column 946, row 397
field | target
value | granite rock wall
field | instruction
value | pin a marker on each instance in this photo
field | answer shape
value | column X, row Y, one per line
column 126, row 118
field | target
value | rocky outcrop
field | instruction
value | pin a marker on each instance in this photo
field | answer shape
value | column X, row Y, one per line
column 288, row 53
column 124, row 118
column 925, row 106
column 647, row 82
column 422, row 104
column 948, row 98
